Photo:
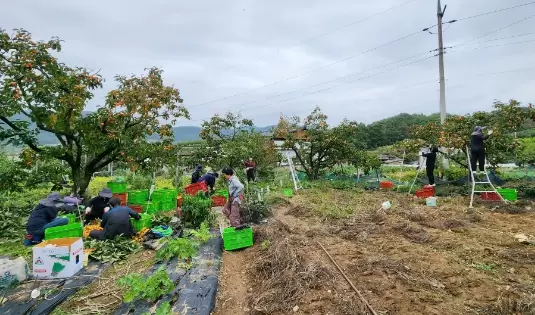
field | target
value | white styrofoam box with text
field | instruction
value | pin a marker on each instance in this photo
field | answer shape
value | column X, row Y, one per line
column 58, row 258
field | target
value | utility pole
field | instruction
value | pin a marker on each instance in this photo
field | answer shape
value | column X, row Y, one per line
column 440, row 15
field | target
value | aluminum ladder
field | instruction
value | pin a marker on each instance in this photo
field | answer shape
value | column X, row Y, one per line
column 295, row 178
column 486, row 181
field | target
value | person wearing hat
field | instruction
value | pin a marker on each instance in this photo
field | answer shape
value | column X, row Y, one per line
column 95, row 207
column 44, row 216
column 116, row 222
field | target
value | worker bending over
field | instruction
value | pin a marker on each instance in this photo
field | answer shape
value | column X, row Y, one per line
column 210, row 179
column 235, row 192
column 44, row 216
column 196, row 174
column 116, row 222
column 95, row 207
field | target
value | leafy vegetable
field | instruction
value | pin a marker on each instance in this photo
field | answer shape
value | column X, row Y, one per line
column 146, row 288
column 196, row 210
column 111, row 250
column 202, row 235
column 182, row 248
column 164, row 309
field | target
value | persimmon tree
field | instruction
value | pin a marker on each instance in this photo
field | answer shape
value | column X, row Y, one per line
column 231, row 139
column 454, row 134
column 322, row 146
column 39, row 94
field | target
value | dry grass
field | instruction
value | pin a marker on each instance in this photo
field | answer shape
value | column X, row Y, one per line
column 512, row 306
column 413, row 233
column 284, row 275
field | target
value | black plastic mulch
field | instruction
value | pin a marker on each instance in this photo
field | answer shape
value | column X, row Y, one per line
column 196, row 288
column 19, row 301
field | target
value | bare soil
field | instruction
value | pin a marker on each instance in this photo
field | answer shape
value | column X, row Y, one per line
column 410, row 259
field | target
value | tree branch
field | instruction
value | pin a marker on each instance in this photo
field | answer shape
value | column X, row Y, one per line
column 29, row 143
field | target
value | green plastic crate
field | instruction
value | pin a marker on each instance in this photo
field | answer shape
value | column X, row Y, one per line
column 69, row 230
column 233, row 239
column 164, row 195
column 508, row 193
column 222, row 192
column 150, row 207
column 167, row 205
column 144, row 222
column 137, row 197
column 71, row 217
column 117, row 187
column 288, row 192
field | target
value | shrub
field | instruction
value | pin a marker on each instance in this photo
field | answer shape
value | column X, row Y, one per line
column 196, row 210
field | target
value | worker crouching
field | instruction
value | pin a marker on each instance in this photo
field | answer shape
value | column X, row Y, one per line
column 116, row 222
column 235, row 189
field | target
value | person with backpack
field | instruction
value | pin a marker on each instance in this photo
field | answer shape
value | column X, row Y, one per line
column 116, row 222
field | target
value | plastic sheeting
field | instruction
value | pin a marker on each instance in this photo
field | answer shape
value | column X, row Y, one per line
column 196, row 288
column 19, row 301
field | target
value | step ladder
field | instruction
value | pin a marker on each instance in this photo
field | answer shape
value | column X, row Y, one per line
column 295, row 178
column 486, row 181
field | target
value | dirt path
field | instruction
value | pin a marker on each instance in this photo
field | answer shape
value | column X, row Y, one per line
column 233, row 284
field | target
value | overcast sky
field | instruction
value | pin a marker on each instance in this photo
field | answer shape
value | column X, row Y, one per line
column 211, row 50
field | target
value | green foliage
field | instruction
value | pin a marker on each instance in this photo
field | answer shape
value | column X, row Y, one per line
column 146, row 288
column 15, row 209
column 231, row 140
column 196, row 210
column 111, row 250
column 341, row 184
column 14, row 247
column 161, row 218
column 317, row 146
column 484, row 267
column 254, row 210
column 202, row 235
column 265, row 245
column 35, row 87
column 164, row 309
column 182, row 248
column 454, row 134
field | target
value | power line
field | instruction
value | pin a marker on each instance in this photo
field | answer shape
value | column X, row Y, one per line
column 313, row 38
column 501, row 28
column 337, row 79
column 478, row 15
column 495, row 11
column 309, row 72
column 335, row 86
column 373, row 75
column 499, row 45
column 350, row 24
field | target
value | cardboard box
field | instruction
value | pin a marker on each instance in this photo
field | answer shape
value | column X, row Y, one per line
column 58, row 258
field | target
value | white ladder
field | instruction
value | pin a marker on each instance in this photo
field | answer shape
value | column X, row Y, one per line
column 295, row 178
column 486, row 181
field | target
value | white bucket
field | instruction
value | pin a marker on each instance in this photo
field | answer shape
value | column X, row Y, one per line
column 431, row 201
column 386, row 205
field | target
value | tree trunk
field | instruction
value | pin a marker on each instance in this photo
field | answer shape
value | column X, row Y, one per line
column 80, row 181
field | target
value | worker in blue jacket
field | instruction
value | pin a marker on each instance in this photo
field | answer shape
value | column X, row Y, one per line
column 210, row 179
column 116, row 222
column 44, row 216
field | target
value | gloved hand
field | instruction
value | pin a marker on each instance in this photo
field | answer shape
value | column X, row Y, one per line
column 106, row 209
column 490, row 132
column 87, row 210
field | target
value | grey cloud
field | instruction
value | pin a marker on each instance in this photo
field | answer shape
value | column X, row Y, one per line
column 211, row 50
